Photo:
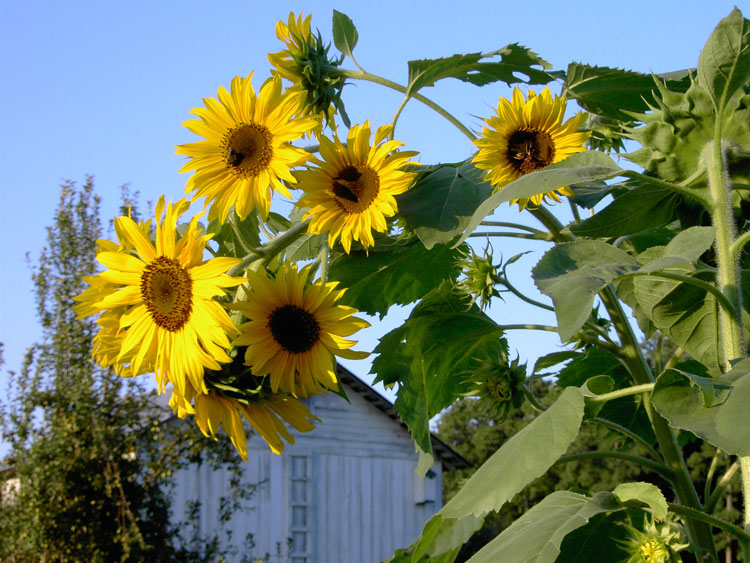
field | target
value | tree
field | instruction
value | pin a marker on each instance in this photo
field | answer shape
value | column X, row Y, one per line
column 89, row 449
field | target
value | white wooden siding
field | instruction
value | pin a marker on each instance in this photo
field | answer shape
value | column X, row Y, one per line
column 364, row 499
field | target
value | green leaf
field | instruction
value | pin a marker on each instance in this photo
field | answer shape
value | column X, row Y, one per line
column 514, row 59
column 537, row 535
column 627, row 411
column 644, row 492
column 404, row 275
column 524, row 457
column 581, row 167
column 345, row 34
column 553, row 359
column 593, row 361
column 724, row 62
column 440, row 204
column 613, row 92
column 535, row 448
column 594, row 386
column 684, row 312
column 306, row 247
column 573, row 273
column 686, row 248
column 638, row 209
column 433, row 352
column 682, row 399
column 596, row 541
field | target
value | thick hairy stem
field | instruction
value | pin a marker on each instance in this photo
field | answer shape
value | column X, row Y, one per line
column 732, row 331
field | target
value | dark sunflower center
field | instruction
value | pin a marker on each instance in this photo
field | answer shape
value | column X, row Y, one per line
column 294, row 329
column 167, row 291
column 530, row 150
column 247, row 149
column 355, row 188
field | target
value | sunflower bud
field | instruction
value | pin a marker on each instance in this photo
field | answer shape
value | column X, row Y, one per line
column 481, row 277
column 306, row 63
column 658, row 543
column 499, row 384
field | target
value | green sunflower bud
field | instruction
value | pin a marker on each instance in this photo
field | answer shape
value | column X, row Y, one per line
column 498, row 384
column 657, row 543
column 676, row 131
column 481, row 277
column 306, row 63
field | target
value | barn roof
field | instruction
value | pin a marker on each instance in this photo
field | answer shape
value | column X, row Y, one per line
column 450, row 458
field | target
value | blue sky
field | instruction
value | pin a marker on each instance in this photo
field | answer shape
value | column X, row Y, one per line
column 102, row 88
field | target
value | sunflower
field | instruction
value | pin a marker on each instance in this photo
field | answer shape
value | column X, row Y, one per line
column 158, row 311
column 295, row 330
column 246, row 152
column 305, row 62
column 525, row 136
column 264, row 414
column 351, row 191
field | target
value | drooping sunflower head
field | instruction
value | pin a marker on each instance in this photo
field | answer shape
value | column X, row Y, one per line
column 295, row 330
column 498, row 383
column 351, row 189
column 307, row 64
column 158, row 312
column 246, row 152
column 527, row 135
column 267, row 413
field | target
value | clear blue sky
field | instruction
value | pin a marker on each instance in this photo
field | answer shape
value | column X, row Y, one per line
column 101, row 88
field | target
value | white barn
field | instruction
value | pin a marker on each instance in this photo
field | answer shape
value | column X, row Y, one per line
column 346, row 492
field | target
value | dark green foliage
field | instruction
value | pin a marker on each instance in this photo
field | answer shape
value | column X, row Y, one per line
column 91, row 453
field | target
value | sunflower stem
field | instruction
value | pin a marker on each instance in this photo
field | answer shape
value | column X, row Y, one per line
column 361, row 75
column 721, row 486
column 659, row 468
column 509, row 234
column 323, row 257
column 629, row 433
column 628, row 391
column 512, row 226
column 269, row 250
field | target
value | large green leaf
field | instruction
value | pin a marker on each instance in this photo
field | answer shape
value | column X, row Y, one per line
column 573, row 273
column 345, row 34
column 682, row 401
column 514, row 59
column 684, row 312
column 537, row 535
column 613, row 92
column 639, row 209
column 524, row 457
column 686, row 248
column 578, row 168
column 442, row 201
column 435, row 350
column 724, row 62
column 597, row 541
column 645, row 492
column 404, row 275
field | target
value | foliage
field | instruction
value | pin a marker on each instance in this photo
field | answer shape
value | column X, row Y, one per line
column 92, row 457
column 669, row 242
